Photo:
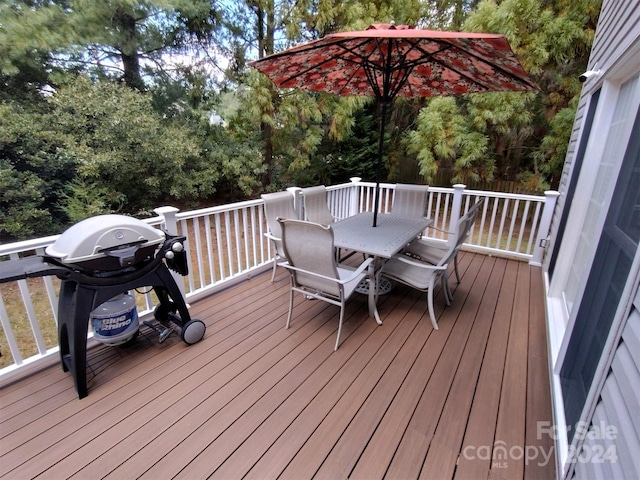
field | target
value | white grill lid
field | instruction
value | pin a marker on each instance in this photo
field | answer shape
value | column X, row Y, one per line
column 93, row 237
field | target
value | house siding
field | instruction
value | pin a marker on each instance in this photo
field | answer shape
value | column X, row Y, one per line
column 610, row 448
column 614, row 442
column 567, row 172
column 618, row 19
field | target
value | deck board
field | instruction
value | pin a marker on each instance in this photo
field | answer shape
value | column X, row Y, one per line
column 254, row 400
column 442, row 456
column 481, row 426
column 413, row 448
column 510, row 429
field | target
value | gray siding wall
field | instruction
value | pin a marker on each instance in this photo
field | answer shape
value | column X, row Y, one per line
column 618, row 19
column 612, row 449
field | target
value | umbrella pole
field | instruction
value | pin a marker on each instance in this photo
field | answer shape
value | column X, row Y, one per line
column 383, row 120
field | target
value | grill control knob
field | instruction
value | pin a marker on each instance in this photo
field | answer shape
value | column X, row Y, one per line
column 169, row 255
column 177, row 247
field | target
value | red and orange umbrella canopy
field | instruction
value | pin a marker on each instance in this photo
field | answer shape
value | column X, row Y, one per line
column 386, row 61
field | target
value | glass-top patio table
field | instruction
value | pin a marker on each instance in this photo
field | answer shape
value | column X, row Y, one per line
column 391, row 234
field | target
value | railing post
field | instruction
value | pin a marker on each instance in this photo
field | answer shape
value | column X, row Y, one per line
column 169, row 216
column 551, row 197
column 456, row 206
column 353, row 196
column 171, row 226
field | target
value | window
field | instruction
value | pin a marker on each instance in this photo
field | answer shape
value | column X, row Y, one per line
column 586, row 134
column 615, row 143
column 617, row 247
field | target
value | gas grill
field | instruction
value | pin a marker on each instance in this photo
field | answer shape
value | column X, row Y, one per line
column 100, row 258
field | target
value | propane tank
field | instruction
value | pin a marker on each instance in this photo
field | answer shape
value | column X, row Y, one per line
column 116, row 320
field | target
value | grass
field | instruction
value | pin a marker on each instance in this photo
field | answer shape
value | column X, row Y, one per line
column 19, row 319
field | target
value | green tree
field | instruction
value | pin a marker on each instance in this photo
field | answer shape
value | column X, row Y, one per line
column 22, row 213
column 294, row 124
column 35, row 171
column 552, row 41
column 353, row 155
column 447, row 14
column 101, row 147
column 125, row 148
column 121, row 39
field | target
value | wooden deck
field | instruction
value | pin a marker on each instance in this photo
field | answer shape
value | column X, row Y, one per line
column 253, row 400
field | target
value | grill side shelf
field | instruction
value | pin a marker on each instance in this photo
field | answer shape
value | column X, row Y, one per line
column 30, row 267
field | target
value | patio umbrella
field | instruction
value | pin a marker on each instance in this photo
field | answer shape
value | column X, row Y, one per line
column 386, row 61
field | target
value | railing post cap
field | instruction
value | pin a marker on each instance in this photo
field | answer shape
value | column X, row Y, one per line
column 167, row 209
column 552, row 193
column 355, row 179
column 460, row 186
column 293, row 190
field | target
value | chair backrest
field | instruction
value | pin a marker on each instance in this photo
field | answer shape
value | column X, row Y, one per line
column 316, row 208
column 410, row 200
column 472, row 213
column 309, row 247
column 463, row 227
column 278, row 205
column 460, row 235
column 475, row 208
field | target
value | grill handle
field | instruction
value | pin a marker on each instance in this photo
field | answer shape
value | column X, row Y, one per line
column 126, row 254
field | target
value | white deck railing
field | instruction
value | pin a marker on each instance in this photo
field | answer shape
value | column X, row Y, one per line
column 226, row 244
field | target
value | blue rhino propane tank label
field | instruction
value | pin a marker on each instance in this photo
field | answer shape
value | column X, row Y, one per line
column 114, row 316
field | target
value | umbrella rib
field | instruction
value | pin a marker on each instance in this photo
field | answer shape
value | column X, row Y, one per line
column 351, row 50
column 448, row 45
column 385, row 67
column 432, row 57
column 407, row 67
column 313, row 67
column 393, row 84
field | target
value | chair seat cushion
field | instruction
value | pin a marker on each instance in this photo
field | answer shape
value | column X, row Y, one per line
column 418, row 276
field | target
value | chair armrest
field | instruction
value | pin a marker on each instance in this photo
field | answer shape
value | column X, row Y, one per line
column 418, row 263
column 440, row 229
column 355, row 273
column 361, row 268
column 271, row 237
column 428, row 243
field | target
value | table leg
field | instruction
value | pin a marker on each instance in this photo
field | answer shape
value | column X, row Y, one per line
column 374, row 274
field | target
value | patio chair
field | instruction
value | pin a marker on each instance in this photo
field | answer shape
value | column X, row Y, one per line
column 316, row 208
column 277, row 205
column 410, row 200
column 431, row 251
column 411, row 269
column 315, row 272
